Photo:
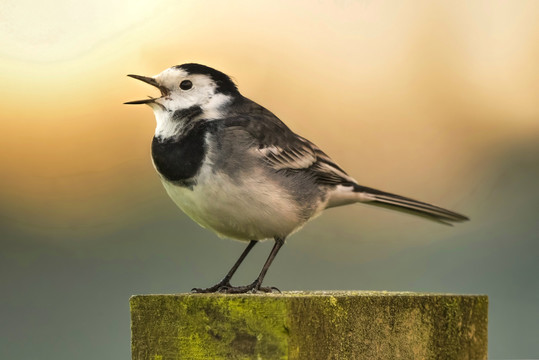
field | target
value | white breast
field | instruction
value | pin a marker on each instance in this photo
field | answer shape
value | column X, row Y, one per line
column 252, row 208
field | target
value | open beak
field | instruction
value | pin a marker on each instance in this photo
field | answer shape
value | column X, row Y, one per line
column 150, row 81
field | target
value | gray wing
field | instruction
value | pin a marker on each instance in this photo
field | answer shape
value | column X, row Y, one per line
column 283, row 150
column 303, row 155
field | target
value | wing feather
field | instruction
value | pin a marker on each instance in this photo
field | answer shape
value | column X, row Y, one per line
column 283, row 150
column 302, row 155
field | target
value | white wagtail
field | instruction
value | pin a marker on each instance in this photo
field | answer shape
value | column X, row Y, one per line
column 235, row 168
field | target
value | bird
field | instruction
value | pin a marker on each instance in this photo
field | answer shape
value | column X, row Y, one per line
column 235, row 168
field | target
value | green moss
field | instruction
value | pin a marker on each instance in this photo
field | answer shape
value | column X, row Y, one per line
column 370, row 326
column 460, row 327
column 215, row 326
column 309, row 325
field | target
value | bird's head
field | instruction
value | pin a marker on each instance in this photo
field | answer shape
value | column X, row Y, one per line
column 188, row 90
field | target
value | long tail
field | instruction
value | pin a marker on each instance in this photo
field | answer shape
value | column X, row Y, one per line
column 400, row 203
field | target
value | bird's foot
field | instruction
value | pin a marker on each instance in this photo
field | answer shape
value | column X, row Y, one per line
column 224, row 287
column 252, row 288
column 219, row 287
column 248, row 290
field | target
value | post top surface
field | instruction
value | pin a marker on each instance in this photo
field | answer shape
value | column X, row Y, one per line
column 323, row 293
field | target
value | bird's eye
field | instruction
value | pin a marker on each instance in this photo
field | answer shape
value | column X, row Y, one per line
column 186, row 85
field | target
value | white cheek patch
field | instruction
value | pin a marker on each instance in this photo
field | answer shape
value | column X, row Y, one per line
column 204, row 95
column 213, row 108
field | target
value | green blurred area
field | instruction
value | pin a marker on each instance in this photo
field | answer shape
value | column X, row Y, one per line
column 68, row 288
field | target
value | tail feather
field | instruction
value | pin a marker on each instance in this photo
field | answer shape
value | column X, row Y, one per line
column 400, row 203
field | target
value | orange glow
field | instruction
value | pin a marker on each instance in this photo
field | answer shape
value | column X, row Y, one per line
column 403, row 97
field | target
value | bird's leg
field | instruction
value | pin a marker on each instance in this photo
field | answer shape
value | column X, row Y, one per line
column 225, row 283
column 255, row 286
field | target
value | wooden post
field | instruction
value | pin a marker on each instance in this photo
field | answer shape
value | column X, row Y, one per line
column 309, row 325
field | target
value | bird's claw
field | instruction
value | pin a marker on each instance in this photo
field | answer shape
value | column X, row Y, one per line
column 226, row 288
column 215, row 288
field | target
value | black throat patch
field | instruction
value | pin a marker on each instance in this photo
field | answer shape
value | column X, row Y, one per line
column 179, row 159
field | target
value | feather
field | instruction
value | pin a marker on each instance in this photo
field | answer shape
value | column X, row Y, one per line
column 400, row 203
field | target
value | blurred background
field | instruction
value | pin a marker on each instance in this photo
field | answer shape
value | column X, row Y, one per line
column 438, row 101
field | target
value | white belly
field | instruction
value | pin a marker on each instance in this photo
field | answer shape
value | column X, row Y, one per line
column 252, row 208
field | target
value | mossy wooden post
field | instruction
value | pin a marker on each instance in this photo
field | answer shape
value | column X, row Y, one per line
column 309, row 325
